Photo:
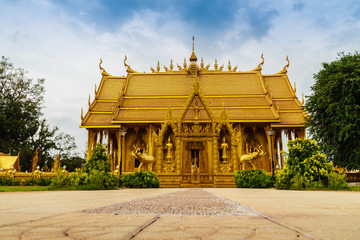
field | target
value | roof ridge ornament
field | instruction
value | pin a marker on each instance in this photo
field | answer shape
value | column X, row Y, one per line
column 284, row 71
column 259, row 67
column 128, row 68
column 104, row 73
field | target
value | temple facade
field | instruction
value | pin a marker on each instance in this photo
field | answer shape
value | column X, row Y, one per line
column 192, row 125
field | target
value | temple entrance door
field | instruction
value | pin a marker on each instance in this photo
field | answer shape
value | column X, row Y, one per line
column 196, row 163
column 194, row 158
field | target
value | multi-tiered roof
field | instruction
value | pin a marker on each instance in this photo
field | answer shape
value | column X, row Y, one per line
column 248, row 97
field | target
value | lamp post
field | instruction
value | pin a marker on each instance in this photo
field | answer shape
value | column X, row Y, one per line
column 271, row 132
column 122, row 134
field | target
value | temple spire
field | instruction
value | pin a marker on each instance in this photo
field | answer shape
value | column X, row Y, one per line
column 193, row 57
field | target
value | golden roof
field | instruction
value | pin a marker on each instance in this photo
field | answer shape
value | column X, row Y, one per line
column 145, row 97
column 6, row 161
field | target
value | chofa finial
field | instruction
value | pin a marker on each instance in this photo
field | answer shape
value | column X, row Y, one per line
column 284, row 71
column 104, row 73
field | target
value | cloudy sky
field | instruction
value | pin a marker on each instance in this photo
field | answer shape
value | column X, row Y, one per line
column 62, row 41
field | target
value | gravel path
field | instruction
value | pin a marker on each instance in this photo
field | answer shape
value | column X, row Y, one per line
column 187, row 202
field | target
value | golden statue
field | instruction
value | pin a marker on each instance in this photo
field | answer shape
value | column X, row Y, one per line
column 250, row 157
column 35, row 160
column 224, row 147
column 169, row 147
column 144, row 158
column 56, row 165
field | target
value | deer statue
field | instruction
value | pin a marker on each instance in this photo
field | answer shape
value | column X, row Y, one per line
column 144, row 158
column 250, row 157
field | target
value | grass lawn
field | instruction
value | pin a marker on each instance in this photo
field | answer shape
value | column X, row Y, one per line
column 354, row 188
column 23, row 188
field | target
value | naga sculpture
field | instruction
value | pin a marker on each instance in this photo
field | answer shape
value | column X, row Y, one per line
column 250, row 157
column 144, row 158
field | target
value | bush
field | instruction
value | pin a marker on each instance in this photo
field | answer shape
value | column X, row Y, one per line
column 307, row 168
column 98, row 160
column 43, row 181
column 61, row 180
column 101, row 181
column 252, row 179
column 142, row 179
column 4, row 181
column 79, row 180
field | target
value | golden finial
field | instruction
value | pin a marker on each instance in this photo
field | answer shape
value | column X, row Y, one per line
column 284, row 71
column 125, row 62
column 221, row 67
column 259, row 67
column 185, row 63
column 229, row 66
column 82, row 112
column 152, row 70
column 278, row 109
column 179, row 67
column 235, row 68
column 89, row 100
column 193, row 41
column 193, row 57
column 95, row 90
column 303, row 99
column 207, row 66
column 104, row 73
column 263, row 60
column 216, row 64
column 158, row 67
column 271, row 94
column 171, row 65
column 128, row 68
column 202, row 63
column 294, row 87
column 166, row 69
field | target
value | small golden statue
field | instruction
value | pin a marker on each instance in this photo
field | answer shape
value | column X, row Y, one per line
column 224, row 147
column 35, row 160
column 56, row 165
column 169, row 146
column 37, row 173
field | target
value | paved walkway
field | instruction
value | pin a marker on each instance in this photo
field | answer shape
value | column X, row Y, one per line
column 274, row 215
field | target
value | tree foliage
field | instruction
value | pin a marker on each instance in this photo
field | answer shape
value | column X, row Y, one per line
column 22, row 128
column 334, row 110
column 306, row 167
column 98, row 161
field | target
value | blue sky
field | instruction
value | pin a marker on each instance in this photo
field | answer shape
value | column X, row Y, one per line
column 62, row 41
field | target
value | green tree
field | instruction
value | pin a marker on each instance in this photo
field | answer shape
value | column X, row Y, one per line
column 98, row 161
column 22, row 128
column 72, row 163
column 334, row 110
column 306, row 167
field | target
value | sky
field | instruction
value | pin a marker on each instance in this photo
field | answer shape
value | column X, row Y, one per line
column 62, row 41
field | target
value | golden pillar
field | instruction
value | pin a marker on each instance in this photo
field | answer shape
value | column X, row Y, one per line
column 178, row 154
column 215, row 154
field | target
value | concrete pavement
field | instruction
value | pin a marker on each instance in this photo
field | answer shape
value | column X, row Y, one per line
column 279, row 215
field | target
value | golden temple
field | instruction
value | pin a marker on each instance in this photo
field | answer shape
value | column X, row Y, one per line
column 199, row 125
